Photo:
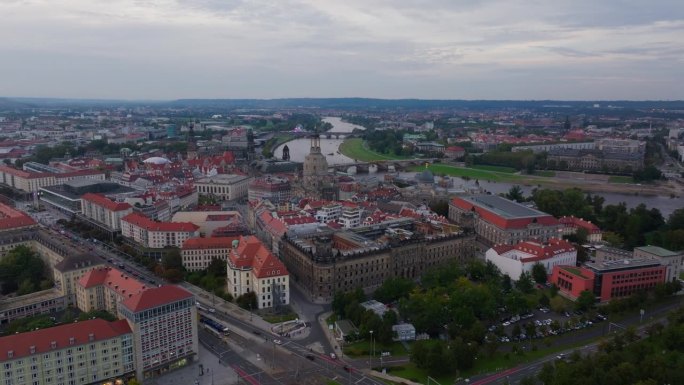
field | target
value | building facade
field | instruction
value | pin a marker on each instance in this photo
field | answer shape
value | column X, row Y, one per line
column 104, row 211
column 497, row 220
column 156, row 235
column 197, row 253
column 164, row 324
column 315, row 169
column 87, row 352
column 252, row 267
column 70, row 270
column 226, row 187
column 609, row 280
column 273, row 188
column 325, row 262
column 672, row 259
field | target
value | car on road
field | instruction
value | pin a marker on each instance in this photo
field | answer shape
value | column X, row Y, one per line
column 278, row 342
column 347, row 368
column 310, row 357
column 256, row 332
column 333, row 356
column 212, row 310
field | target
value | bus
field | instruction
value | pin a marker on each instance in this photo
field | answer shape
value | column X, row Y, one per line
column 214, row 326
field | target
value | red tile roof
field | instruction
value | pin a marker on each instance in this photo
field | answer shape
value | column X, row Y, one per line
column 537, row 251
column 11, row 218
column 20, row 344
column 156, row 296
column 252, row 254
column 116, row 280
column 146, row 223
column 504, row 223
column 105, row 202
column 209, row 243
column 579, row 222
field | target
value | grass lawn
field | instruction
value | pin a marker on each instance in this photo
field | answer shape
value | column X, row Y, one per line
column 508, row 170
column 620, row 179
column 356, row 149
column 362, row 348
column 275, row 319
column 500, row 361
column 331, row 382
column 472, row 173
column 545, row 173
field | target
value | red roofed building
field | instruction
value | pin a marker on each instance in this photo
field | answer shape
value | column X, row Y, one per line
column 148, row 233
column 163, row 319
column 253, row 268
column 104, row 211
column 572, row 224
column 454, row 152
column 197, row 253
column 497, row 220
column 13, row 219
column 88, row 352
column 516, row 259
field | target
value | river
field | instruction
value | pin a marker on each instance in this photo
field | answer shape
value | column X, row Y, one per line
column 299, row 148
column 329, row 147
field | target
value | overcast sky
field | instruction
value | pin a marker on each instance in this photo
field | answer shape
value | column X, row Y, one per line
column 430, row 49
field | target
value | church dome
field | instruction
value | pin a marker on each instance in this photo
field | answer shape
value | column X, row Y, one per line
column 425, row 177
column 156, row 160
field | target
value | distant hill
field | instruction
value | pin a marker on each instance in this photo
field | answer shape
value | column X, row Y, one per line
column 343, row 103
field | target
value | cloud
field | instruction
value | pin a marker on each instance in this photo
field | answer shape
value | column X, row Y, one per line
column 491, row 49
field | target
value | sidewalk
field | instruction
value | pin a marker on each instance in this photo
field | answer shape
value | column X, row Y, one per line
column 389, row 377
column 214, row 373
column 329, row 335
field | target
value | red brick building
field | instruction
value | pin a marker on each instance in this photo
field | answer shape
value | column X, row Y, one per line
column 609, row 280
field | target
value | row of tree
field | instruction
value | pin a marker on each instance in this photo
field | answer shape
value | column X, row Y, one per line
column 23, row 271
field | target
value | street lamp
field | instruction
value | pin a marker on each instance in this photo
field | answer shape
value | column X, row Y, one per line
column 370, row 356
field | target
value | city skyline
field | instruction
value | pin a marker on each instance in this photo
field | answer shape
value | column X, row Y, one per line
column 166, row 50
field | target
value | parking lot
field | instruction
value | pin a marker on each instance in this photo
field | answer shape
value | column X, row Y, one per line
column 540, row 323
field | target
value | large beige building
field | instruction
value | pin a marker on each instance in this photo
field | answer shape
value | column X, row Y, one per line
column 156, row 235
column 87, row 352
column 224, row 186
column 29, row 181
column 104, row 288
column 197, row 253
column 70, row 270
column 104, row 211
column 252, row 267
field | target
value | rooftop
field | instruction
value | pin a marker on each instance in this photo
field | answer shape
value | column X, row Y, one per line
column 209, row 243
column 502, row 206
column 76, row 262
column 105, row 202
column 223, row 179
column 148, row 224
column 59, row 337
column 623, row 264
column 658, row 251
column 155, row 297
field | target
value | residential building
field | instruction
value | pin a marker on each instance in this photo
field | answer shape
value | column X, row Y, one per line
column 672, row 259
column 572, row 224
column 164, row 324
column 29, row 305
column 351, row 217
column 497, row 220
column 88, row 352
column 209, row 221
column 105, row 288
column 404, row 332
column 103, row 211
column 253, row 268
column 197, row 253
column 273, row 188
column 156, row 235
column 29, row 181
column 606, row 253
column 514, row 260
column 224, row 186
column 70, row 270
column 329, row 213
column 454, row 152
column 14, row 220
column 609, row 280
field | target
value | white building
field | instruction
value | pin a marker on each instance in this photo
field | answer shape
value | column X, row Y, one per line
column 156, row 235
column 224, row 186
column 104, row 211
column 672, row 259
column 329, row 213
column 516, row 259
column 351, row 217
column 252, row 268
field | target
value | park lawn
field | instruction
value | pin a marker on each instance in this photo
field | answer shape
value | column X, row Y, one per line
column 362, row 348
column 356, row 149
column 545, row 173
column 275, row 319
column 508, row 170
column 439, row 169
column 620, row 179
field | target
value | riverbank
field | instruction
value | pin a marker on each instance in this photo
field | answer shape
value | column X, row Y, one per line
column 356, row 148
column 578, row 180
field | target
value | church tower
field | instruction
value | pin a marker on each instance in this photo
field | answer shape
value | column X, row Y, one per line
column 315, row 168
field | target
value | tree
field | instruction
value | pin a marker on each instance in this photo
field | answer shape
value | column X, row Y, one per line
column 392, row 289
column 172, row 259
column 525, row 283
column 217, row 268
column 515, row 193
column 133, row 381
column 506, row 284
column 586, row 300
column 248, row 301
column 539, row 273
column 558, row 304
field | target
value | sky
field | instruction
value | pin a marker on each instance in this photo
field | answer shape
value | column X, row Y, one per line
column 427, row 49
